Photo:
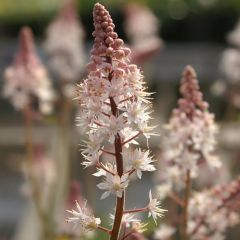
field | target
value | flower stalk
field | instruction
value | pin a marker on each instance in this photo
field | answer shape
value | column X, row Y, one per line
column 185, row 206
column 114, row 113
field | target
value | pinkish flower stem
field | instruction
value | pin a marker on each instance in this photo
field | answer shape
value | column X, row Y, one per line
column 100, row 165
column 185, row 206
column 108, row 152
column 120, row 201
column 119, row 162
column 128, row 235
column 136, row 210
column 176, row 199
column 103, row 229
column 130, row 139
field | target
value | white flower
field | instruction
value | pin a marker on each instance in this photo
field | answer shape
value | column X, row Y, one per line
column 113, row 184
column 83, row 219
column 138, row 160
column 126, row 134
column 114, row 126
column 93, row 145
column 164, row 232
column 154, row 208
column 136, row 112
column 108, row 166
column 91, row 159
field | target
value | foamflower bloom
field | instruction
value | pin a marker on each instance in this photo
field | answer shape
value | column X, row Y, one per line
column 139, row 160
column 114, row 111
column 83, row 219
column 154, row 208
column 113, row 184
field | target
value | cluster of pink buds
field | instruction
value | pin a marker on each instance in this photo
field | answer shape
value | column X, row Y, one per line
column 26, row 79
column 115, row 111
column 190, row 139
column 213, row 211
column 64, row 43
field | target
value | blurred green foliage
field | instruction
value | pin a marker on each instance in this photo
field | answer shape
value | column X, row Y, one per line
column 15, row 10
column 209, row 20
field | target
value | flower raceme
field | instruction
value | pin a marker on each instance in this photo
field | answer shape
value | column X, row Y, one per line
column 83, row 218
column 114, row 112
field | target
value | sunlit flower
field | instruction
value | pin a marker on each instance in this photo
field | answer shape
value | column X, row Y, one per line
column 139, row 161
column 113, row 184
column 114, row 112
column 83, row 219
column 154, row 208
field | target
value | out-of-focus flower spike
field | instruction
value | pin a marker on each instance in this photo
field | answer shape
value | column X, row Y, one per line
column 190, row 90
column 208, row 206
column 190, row 136
column 27, row 79
column 64, row 45
column 142, row 28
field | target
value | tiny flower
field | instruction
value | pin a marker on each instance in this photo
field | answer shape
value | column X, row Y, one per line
column 154, row 208
column 129, row 220
column 114, row 125
column 108, row 166
column 136, row 112
column 113, row 184
column 139, row 161
column 91, row 159
column 83, row 219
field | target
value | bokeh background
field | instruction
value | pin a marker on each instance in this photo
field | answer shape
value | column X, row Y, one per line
column 192, row 32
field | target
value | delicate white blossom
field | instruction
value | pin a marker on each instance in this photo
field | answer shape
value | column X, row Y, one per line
column 154, row 208
column 83, row 218
column 113, row 184
column 138, row 160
